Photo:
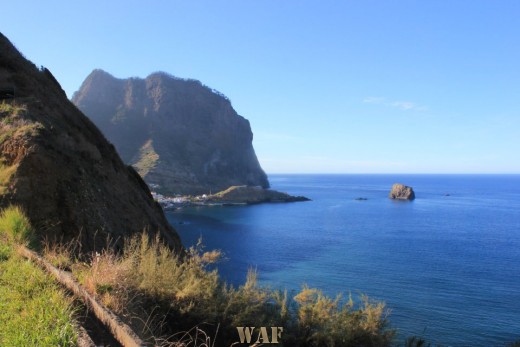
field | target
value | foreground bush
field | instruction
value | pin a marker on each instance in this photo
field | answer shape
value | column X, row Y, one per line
column 160, row 294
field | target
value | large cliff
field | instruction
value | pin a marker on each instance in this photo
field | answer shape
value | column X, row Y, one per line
column 61, row 170
column 178, row 134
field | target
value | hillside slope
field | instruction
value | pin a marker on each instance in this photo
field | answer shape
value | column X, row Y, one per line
column 61, row 170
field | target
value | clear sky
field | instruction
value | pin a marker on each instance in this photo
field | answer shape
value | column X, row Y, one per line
column 425, row 86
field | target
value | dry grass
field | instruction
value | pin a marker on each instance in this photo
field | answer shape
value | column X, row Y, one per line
column 60, row 255
column 195, row 337
column 13, row 123
column 12, row 108
column 141, row 283
column 6, row 173
column 159, row 293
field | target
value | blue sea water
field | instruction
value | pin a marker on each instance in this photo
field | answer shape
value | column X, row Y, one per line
column 447, row 264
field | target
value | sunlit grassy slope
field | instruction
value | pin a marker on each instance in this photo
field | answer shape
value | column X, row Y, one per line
column 34, row 311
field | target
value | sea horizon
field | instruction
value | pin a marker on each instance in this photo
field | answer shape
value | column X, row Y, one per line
column 396, row 173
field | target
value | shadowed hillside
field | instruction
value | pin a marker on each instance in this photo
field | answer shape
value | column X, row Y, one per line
column 58, row 166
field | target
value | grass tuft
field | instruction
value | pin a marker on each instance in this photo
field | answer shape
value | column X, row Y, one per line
column 60, row 255
column 13, row 122
column 34, row 310
column 12, row 109
column 16, row 226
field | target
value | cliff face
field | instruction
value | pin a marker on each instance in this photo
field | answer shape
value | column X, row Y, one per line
column 178, row 134
column 61, row 170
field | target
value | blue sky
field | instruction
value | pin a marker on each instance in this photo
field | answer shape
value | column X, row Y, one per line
column 426, row 86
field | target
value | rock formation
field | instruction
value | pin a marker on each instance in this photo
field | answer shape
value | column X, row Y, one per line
column 401, row 192
column 180, row 136
column 252, row 195
column 61, row 170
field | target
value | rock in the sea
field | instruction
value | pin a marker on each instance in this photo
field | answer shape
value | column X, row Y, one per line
column 401, row 192
column 252, row 195
column 181, row 136
column 59, row 168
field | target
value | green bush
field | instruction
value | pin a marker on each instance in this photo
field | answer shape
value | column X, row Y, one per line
column 16, row 226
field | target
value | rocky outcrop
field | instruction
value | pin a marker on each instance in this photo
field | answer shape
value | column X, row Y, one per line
column 181, row 137
column 61, row 170
column 252, row 195
column 401, row 192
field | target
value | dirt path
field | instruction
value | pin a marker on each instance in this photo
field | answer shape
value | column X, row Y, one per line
column 102, row 326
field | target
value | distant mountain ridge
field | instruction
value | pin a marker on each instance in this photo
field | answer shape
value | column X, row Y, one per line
column 57, row 166
column 181, row 136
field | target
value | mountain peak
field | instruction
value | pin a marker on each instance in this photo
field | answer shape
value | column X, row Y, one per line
column 101, row 74
column 179, row 134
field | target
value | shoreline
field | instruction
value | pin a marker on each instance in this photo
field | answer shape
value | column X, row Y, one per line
column 233, row 196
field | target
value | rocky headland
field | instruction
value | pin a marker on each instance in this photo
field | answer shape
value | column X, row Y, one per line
column 233, row 196
column 251, row 195
column 182, row 137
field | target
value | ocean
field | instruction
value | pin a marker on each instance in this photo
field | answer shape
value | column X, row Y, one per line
column 447, row 264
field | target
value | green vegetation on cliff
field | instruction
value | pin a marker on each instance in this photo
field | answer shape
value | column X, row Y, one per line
column 12, row 125
column 34, row 311
column 147, row 159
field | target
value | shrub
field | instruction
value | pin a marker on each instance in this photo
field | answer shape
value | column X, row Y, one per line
column 323, row 321
column 16, row 226
column 160, row 293
column 14, row 122
column 12, row 109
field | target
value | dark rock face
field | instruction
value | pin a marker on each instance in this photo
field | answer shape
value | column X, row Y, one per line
column 182, row 137
column 401, row 192
column 61, row 170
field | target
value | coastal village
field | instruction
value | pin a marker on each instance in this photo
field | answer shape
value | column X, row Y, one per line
column 173, row 202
